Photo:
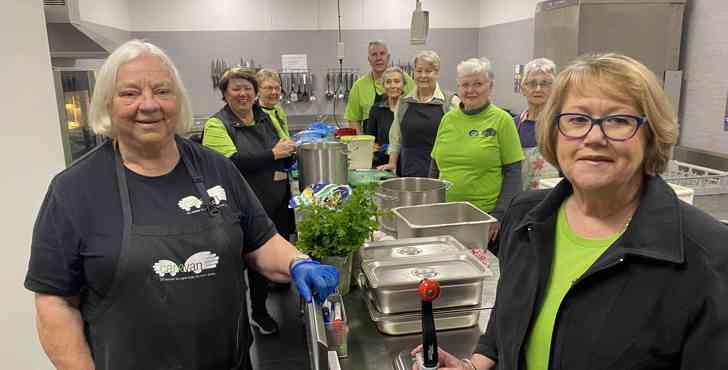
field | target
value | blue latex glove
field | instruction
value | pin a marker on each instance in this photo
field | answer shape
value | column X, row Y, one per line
column 311, row 276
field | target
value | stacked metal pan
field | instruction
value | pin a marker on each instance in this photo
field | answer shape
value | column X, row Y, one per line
column 390, row 272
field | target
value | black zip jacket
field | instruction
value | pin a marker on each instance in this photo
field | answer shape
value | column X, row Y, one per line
column 656, row 299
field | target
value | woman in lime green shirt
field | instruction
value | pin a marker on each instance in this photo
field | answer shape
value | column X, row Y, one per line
column 477, row 146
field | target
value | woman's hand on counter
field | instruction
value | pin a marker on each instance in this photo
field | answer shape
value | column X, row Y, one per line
column 386, row 167
column 449, row 362
column 284, row 148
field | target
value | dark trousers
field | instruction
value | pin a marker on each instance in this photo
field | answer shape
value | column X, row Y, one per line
column 258, row 292
column 259, row 285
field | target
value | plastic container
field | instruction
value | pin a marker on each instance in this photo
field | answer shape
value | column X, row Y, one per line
column 361, row 150
column 365, row 177
column 345, row 131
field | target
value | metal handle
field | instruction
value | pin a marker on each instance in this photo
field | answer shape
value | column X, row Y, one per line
column 448, row 184
column 386, row 196
column 361, row 281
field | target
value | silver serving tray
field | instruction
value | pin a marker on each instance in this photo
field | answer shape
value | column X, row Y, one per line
column 392, row 285
column 462, row 220
column 411, row 323
column 397, row 250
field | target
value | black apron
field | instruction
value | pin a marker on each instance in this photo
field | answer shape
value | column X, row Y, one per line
column 177, row 299
column 273, row 195
column 377, row 98
column 418, row 129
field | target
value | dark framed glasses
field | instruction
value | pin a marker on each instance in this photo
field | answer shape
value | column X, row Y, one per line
column 618, row 127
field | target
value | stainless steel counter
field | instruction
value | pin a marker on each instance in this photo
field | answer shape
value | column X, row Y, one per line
column 369, row 349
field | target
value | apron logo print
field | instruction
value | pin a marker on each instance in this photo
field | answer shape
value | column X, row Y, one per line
column 217, row 193
column 489, row 132
column 197, row 263
column 473, row 133
column 192, row 203
column 189, row 202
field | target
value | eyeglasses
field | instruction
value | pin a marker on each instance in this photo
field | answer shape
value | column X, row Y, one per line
column 618, row 127
column 533, row 84
column 271, row 88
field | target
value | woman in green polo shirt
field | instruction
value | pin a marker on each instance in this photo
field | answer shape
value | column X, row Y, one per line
column 477, row 146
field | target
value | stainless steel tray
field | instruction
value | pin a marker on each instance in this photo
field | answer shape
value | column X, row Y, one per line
column 407, row 249
column 411, row 323
column 462, row 220
column 392, row 285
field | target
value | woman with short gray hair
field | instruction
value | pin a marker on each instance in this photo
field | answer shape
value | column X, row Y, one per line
column 477, row 147
column 538, row 76
column 417, row 119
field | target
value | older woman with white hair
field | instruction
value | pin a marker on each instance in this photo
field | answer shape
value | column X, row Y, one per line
column 417, row 119
column 538, row 76
column 477, row 146
column 139, row 247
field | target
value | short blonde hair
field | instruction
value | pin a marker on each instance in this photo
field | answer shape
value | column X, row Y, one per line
column 267, row 75
column 428, row 56
column 621, row 78
column 99, row 111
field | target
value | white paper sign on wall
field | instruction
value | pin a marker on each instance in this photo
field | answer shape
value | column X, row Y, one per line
column 294, row 62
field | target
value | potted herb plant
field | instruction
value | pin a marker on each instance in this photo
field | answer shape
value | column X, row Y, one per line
column 332, row 233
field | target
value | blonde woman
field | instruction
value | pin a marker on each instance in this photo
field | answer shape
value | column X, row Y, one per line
column 417, row 119
column 608, row 270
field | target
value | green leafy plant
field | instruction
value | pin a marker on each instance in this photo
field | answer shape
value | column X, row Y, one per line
column 339, row 230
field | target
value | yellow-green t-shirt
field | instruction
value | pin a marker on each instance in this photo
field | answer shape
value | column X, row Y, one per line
column 470, row 152
column 361, row 96
column 279, row 119
column 573, row 255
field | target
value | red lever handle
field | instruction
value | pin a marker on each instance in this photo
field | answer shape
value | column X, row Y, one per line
column 429, row 290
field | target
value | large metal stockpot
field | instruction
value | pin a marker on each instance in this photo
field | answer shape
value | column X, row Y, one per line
column 406, row 191
column 324, row 161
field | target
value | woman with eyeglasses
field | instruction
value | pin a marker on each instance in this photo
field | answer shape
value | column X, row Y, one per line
column 608, row 270
column 269, row 100
column 261, row 150
column 538, row 76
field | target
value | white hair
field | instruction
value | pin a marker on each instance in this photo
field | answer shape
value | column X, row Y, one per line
column 99, row 112
column 475, row 65
column 543, row 65
column 428, row 56
column 379, row 43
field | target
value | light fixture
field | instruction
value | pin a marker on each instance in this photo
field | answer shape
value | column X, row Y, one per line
column 420, row 25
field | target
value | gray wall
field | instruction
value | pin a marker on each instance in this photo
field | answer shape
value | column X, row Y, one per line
column 192, row 51
column 705, row 89
column 506, row 45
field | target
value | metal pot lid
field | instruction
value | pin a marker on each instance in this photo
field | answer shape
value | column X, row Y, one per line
column 404, row 250
column 446, row 269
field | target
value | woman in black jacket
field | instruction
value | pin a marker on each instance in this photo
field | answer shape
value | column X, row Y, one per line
column 243, row 132
column 609, row 270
